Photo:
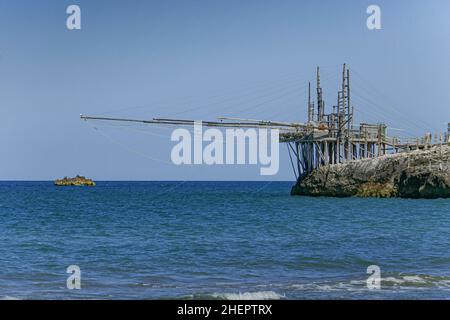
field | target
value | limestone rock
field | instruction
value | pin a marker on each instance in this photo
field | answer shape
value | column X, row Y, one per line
column 415, row 174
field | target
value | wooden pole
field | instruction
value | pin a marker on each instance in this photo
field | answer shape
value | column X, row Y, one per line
column 349, row 116
column 310, row 116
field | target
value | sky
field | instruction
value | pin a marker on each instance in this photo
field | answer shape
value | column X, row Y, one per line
column 201, row 60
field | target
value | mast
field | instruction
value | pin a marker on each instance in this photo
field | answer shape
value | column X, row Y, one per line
column 310, row 114
column 350, row 117
column 319, row 98
column 344, row 110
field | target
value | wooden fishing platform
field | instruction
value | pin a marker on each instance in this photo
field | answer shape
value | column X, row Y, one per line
column 326, row 138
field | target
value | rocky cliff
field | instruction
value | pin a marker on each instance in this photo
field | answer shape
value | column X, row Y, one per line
column 416, row 174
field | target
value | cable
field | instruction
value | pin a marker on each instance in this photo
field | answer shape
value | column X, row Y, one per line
column 373, row 88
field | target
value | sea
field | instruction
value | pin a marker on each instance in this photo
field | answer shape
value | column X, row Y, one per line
column 217, row 240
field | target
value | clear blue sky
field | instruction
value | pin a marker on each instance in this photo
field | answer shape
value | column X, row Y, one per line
column 163, row 58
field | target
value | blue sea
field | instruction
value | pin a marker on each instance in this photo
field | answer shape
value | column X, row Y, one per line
column 217, row 240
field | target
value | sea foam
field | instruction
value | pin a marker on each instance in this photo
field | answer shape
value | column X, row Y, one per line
column 258, row 295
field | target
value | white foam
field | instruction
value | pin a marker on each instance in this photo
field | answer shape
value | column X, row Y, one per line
column 393, row 282
column 258, row 295
column 9, row 298
column 414, row 279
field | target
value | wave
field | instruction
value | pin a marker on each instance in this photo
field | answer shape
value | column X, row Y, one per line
column 416, row 281
column 391, row 282
column 338, row 288
column 9, row 298
column 256, row 295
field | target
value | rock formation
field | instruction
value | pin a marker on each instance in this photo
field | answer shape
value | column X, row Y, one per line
column 77, row 181
column 415, row 174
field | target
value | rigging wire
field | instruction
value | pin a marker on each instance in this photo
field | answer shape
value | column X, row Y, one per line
column 266, row 93
column 115, row 141
column 234, row 105
column 296, row 90
column 253, row 86
column 383, row 115
column 373, row 89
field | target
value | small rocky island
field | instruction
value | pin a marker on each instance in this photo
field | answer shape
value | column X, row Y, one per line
column 414, row 174
column 77, row 181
